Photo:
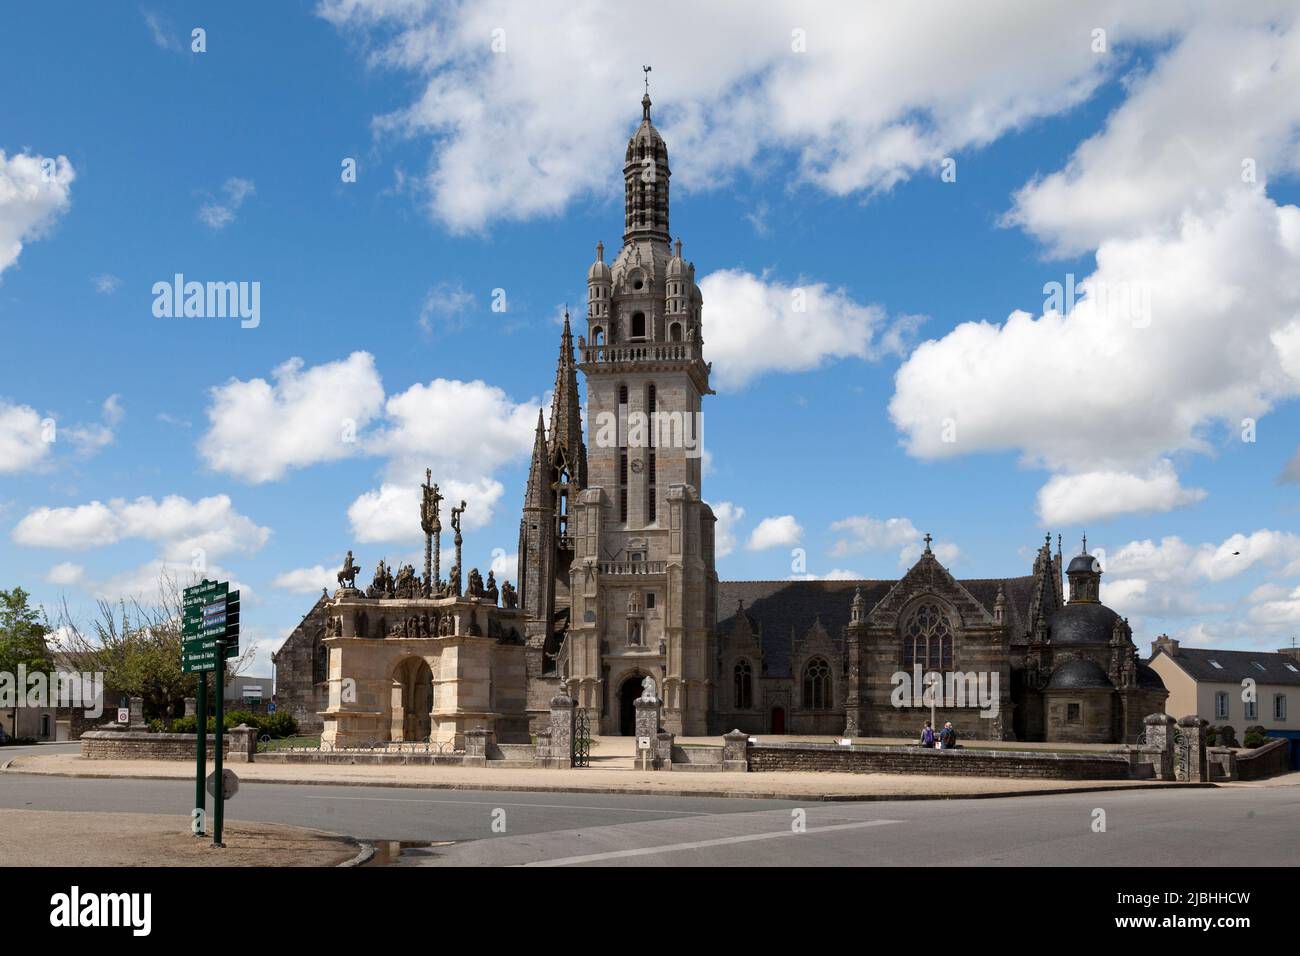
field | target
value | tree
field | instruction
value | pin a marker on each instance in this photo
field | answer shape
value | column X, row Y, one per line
column 137, row 646
column 22, row 638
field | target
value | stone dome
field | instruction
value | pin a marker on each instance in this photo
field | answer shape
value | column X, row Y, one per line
column 599, row 272
column 1147, row 677
column 1080, row 674
column 1082, row 562
column 1082, row 623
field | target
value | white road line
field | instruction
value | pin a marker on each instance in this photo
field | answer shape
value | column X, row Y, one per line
column 701, row 844
column 542, row 806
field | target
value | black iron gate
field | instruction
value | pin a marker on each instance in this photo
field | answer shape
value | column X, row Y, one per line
column 582, row 740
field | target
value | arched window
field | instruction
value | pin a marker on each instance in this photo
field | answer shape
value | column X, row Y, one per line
column 675, row 332
column 744, row 685
column 927, row 637
column 598, row 336
column 638, row 324
column 320, row 664
column 817, row 685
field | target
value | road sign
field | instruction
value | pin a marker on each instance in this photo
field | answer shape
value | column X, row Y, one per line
column 123, row 715
column 229, row 783
column 214, row 618
column 270, row 708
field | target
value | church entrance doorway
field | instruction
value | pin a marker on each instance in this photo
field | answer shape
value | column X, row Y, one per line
column 778, row 720
column 627, row 695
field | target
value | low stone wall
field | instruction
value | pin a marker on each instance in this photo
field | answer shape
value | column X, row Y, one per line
column 1272, row 758
column 365, row 758
column 915, row 760
column 238, row 745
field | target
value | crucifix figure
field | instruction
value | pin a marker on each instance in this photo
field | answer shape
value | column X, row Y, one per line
column 455, row 523
column 431, row 524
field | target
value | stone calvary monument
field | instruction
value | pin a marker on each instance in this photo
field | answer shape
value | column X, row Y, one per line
column 412, row 658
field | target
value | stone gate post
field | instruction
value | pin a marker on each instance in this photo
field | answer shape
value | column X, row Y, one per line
column 1159, row 747
column 1193, row 730
column 563, row 728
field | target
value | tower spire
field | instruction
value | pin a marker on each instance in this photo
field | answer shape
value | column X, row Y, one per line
column 566, row 451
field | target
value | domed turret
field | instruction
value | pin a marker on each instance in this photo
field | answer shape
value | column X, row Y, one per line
column 599, row 281
column 645, row 177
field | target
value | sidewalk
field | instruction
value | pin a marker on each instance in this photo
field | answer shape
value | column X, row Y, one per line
column 778, row 786
column 66, row 838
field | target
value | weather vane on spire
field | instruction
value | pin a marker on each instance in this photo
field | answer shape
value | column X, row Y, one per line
column 646, row 71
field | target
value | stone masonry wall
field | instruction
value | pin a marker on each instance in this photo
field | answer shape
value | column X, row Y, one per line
column 116, row 745
column 1273, row 757
column 980, row 763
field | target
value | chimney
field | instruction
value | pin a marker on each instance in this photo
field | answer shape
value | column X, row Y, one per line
column 1291, row 652
column 1164, row 643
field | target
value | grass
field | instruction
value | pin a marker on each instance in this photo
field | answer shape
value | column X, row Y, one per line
column 285, row 743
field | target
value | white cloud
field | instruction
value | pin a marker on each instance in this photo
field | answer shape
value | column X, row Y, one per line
column 724, row 531
column 89, row 438
column 106, row 283
column 306, row 580
column 84, row 526
column 445, row 306
column 183, row 527
column 260, row 430
column 34, row 191
column 160, row 32
column 756, row 325
column 391, row 513
column 1179, row 332
column 467, row 428
column 505, row 567
column 1176, row 560
column 521, row 132
column 865, row 533
column 782, row 531
column 22, row 438
column 1101, row 495
column 1222, row 95
column 219, row 213
column 65, row 573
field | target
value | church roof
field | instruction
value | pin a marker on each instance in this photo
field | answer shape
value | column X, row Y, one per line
column 1080, row 674
column 778, row 607
column 1082, row 622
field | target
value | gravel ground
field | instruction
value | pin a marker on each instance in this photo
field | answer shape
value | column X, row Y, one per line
column 59, row 838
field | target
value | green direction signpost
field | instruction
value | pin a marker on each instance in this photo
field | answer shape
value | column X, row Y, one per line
column 209, row 637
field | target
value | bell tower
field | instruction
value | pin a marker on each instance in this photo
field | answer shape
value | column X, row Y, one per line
column 643, row 583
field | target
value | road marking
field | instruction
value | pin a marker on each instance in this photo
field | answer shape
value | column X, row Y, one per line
column 542, row 806
column 701, row 844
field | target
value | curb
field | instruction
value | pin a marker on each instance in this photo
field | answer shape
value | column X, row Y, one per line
column 653, row 792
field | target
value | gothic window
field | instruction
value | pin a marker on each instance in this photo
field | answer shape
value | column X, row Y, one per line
column 927, row 638
column 744, row 686
column 638, row 324
column 817, row 685
column 320, row 665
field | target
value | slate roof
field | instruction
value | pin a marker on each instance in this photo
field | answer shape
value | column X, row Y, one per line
column 1237, row 665
column 779, row 606
column 1080, row 674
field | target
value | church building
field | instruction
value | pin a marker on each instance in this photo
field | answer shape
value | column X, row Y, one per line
column 617, row 578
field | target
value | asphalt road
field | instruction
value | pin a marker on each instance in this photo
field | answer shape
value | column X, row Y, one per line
column 1195, row 827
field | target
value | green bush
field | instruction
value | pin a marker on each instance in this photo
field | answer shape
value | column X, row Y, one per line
column 1227, row 736
column 1254, row 739
column 277, row 725
column 1211, row 735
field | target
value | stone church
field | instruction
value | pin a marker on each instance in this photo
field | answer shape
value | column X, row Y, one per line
column 617, row 580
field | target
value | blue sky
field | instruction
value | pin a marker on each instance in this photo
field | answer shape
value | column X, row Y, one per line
column 816, row 169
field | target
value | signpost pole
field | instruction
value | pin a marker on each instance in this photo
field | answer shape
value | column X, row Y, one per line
column 200, row 798
column 218, row 797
